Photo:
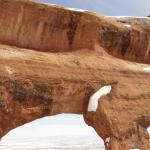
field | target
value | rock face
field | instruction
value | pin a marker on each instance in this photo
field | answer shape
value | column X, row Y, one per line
column 53, row 59
column 55, row 29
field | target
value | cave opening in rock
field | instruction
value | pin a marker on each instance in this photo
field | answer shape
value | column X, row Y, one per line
column 64, row 131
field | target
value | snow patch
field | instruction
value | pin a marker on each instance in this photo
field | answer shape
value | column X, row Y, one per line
column 93, row 102
column 75, row 9
column 107, row 141
column 138, row 17
column 148, row 130
column 147, row 69
column 52, row 4
column 9, row 70
column 127, row 25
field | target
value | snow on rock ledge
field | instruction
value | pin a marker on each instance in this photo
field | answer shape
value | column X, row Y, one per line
column 93, row 102
column 147, row 69
column 127, row 25
column 148, row 129
column 131, row 19
column 75, row 9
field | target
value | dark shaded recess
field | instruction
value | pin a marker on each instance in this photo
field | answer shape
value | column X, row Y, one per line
column 72, row 26
column 126, row 39
column 127, row 134
column 89, row 90
column 3, row 105
column 122, row 21
column 3, row 2
column 23, row 91
column 144, row 121
column 108, row 36
column 19, row 90
column 43, row 92
column 2, row 94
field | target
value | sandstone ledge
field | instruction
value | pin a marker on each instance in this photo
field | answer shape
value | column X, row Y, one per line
column 54, row 59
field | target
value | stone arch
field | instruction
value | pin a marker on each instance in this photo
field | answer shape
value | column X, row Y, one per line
column 53, row 78
column 47, row 132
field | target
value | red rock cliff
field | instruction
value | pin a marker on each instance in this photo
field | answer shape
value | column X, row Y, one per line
column 53, row 28
column 53, row 59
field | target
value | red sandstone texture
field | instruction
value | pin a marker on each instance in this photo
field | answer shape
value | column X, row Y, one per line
column 53, row 59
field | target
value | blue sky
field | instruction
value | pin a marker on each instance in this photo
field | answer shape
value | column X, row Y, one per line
column 109, row 7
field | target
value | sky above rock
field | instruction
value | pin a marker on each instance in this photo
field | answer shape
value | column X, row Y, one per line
column 109, row 7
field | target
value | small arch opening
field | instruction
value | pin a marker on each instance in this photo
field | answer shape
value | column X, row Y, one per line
column 59, row 132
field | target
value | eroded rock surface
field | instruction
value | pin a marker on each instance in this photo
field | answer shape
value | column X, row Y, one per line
column 53, row 59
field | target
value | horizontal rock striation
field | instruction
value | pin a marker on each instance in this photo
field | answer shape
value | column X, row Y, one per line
column 45, row 27
column 53, row 59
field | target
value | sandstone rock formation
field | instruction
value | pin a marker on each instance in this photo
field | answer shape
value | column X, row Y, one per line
column 53, row 59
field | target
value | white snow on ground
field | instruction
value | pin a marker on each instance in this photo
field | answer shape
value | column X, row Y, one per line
column 9, row 70
column 147, row 69
column 93, row 102
column 54, row 143
column 127, row 25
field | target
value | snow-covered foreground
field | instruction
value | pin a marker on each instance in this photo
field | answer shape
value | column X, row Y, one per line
column 54, row 143
column 61, row 132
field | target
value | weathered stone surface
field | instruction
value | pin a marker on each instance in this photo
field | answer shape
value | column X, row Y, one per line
column 53, row 59
column 132, row 41
column 53, row 28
